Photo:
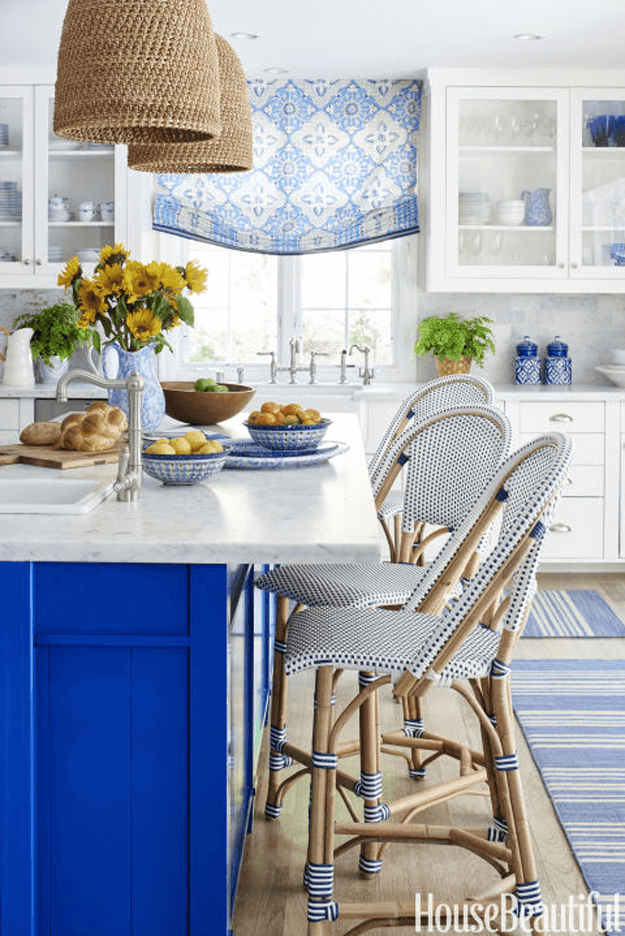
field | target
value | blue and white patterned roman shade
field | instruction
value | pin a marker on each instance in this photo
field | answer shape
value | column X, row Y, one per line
column 335, row 165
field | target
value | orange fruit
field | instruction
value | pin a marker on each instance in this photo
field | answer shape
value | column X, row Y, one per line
column 291, row 420
column 253, row 417
column 266, row 419
column 270, row 407
column 280, row 418
column 312, row 414
column 291, row 409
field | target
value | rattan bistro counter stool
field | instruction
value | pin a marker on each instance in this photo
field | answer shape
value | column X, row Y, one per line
column 447, row 459
column 469, row 649
column 433, row 397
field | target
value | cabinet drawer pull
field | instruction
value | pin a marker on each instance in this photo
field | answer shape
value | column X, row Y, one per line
column 561, row 417
column 568, row 480
column 560, row 528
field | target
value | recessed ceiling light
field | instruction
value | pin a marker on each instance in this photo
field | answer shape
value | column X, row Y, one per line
column 527, row 37
column 274, row 70
column 243, row 35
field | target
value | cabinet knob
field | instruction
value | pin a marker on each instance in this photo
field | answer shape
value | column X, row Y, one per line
column 560, row 266
column 569, row 480
column 39, row 262
column 561, row 417
column 560, row 528
column 26, row 262
column 574, row 266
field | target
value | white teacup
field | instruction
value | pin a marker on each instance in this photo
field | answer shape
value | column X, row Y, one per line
column 107, row 211
column 88, row 211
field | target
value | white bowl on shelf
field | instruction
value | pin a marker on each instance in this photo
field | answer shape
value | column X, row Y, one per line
column 614, row 373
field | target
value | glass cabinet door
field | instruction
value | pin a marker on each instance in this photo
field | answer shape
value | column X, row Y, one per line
column 16, row 180
column 598, row 183
column 75, row 202
column 507, row 182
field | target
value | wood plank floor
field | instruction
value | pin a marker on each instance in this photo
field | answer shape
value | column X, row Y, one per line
column 271, row 899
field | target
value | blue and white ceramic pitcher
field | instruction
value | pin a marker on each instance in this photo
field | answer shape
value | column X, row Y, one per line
column 537, row 207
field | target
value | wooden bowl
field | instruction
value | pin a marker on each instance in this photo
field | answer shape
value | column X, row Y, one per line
column 201, row 408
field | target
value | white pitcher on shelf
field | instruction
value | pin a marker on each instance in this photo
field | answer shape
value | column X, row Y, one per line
column 18, row 367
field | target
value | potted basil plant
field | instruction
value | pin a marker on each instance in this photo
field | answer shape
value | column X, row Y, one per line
column 454, row 341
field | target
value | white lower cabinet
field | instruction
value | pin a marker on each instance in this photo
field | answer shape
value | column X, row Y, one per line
column 585, row 527
column 15, row 413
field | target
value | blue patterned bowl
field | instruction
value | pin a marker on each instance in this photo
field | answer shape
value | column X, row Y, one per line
column 289, row 438
column 184, row 469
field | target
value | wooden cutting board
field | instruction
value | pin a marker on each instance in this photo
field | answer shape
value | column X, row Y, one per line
column 46, row 456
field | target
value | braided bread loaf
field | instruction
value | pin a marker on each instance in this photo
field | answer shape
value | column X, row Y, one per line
column 96, row 430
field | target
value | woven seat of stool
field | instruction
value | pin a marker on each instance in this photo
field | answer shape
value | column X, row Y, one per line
column 357, row 585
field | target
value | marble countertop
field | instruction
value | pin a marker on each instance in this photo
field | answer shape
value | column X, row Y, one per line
column 320, row 513
column 47, row 391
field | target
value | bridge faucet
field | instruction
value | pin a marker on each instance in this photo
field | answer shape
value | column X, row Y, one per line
column 366, row 373
column 129, row 475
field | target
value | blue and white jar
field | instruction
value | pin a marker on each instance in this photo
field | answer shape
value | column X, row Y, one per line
column 558, row 365
column 527, row 362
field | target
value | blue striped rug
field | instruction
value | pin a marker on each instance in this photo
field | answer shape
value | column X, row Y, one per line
column 572, row 613
column 572, row 713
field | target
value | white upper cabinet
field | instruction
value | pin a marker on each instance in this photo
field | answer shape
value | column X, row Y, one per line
column 57, row 197
column 526, row 188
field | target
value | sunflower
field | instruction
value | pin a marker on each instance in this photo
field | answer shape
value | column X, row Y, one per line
column 114, row 253
column 195, row 276
column 168, row 277
column 139, row 280
column 87, row 319
column 71, row 272
column 143, row 324
column 90, row 302
column 109, row 281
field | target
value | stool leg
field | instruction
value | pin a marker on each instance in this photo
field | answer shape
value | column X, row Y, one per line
column 279, row 699
column 413, row 727
column 319, row 875
column 370, row 785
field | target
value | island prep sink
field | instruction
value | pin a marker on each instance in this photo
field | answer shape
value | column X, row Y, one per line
column 52, row 495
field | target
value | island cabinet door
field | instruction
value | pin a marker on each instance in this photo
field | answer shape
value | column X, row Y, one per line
column 114, row 695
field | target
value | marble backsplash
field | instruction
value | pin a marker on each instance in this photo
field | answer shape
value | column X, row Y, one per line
column 590, row 325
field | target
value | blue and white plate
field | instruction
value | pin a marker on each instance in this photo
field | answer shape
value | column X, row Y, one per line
column 246, row 454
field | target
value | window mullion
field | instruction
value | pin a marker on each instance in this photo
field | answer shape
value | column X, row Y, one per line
column 289, row 304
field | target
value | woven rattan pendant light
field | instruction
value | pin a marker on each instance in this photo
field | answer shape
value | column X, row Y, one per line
column 137, row 71
column 232, row 152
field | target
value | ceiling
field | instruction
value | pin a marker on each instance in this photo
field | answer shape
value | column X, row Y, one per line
column 353, row 38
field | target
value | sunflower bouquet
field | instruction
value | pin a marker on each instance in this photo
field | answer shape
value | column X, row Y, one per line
column 135, row 304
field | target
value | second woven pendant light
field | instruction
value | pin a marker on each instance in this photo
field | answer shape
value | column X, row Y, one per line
column 137, row 71
column 232, row 152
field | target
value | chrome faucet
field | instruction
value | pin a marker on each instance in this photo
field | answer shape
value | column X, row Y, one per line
column 366, row 373
column 129, row 474
column 313, row 364
column 293, row 366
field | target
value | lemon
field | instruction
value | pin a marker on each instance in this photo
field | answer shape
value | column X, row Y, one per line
column 195, row 438
column 161, row 448
column 180, row 445
column 210, row 447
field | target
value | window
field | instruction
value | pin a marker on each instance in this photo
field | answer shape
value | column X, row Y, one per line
column 258, row 303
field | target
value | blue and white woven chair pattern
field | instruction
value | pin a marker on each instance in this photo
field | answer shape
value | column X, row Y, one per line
column 449, row 457
column 474, row 641
column 436, row 396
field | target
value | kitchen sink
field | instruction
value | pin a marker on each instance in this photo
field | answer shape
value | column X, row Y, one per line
column 43, row 495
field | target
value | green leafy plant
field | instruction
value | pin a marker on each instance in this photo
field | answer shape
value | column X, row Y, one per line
column 55, row 330
column 452, row 337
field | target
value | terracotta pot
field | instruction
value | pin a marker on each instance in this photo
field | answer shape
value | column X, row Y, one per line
column 446, row 366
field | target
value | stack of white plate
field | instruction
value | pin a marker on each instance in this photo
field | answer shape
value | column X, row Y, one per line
column 10, row 201
column 55, row 254
column 511, row 212
column 473, row 208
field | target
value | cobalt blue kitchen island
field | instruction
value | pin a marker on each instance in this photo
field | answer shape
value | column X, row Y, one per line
column 134, row 682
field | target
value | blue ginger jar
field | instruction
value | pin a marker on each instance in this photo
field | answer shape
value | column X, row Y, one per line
column 558, row 365
column 527, row 362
